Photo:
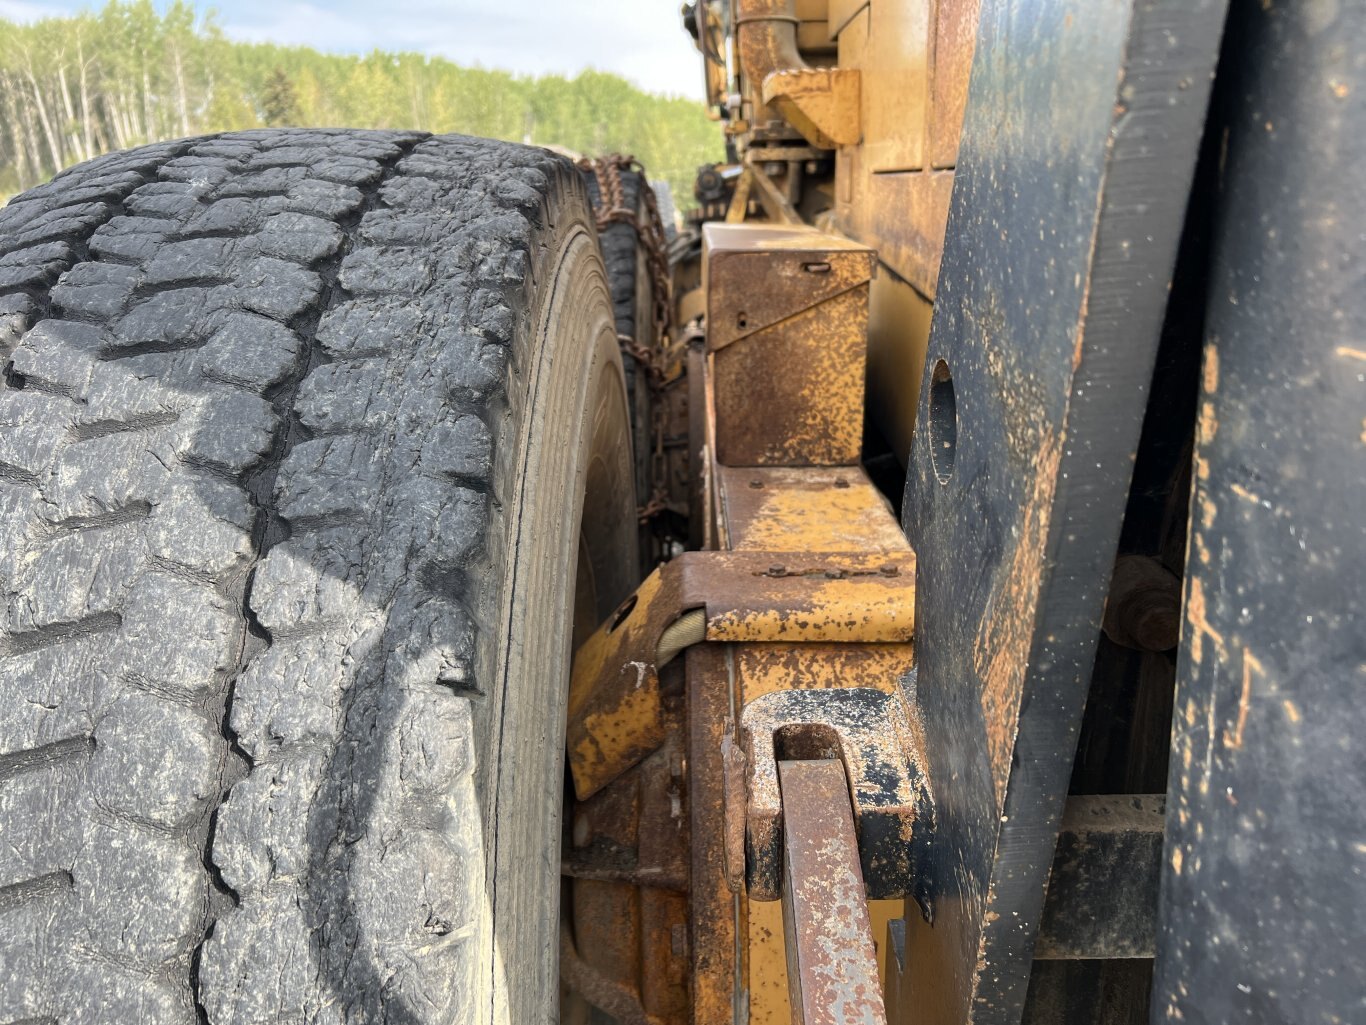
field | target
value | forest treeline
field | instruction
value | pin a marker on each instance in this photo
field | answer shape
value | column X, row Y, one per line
column 74, row 87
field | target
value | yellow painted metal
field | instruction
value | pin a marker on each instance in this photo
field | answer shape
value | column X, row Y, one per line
column 777, row 207
column 801, row 597
column 817, row 510
column 890, row 106
column 915, row 58
column 768, row 999
column 809, row 508
column 888, row 44
column 840, row 12
column 786, row 306
column 821, row 103
column 615, row 715
column 739, row 202
column 768, row 993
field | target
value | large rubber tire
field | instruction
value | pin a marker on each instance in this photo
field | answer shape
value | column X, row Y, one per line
column 294, row 438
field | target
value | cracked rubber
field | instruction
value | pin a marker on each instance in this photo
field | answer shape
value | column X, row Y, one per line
column 291, row 456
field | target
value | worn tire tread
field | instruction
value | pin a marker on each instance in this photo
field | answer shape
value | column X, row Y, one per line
column 253, row 389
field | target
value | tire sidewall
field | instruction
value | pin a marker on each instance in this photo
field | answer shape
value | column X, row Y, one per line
column 572, row 399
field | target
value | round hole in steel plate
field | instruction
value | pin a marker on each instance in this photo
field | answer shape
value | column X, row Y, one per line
column 943, row 422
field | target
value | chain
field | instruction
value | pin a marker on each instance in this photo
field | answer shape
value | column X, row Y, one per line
column 611, row 209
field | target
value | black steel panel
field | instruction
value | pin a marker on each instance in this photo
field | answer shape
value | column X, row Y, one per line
column 1083, row 123
column 1264, row 887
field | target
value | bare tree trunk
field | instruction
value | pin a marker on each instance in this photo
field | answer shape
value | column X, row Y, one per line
column 22, row 163
column 53, row 143
column 87, row 116
column 102, row 143
column 31, row 149
column 148, row 126
column 127, row 127
column 181, row 101
column 70, row 108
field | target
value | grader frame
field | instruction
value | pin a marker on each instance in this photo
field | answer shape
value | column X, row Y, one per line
column 843, row 765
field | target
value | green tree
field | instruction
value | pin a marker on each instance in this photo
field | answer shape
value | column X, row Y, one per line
column 71, row 88
column 278, row 104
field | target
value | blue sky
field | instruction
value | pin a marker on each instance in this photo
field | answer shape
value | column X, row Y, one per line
column 642, row 40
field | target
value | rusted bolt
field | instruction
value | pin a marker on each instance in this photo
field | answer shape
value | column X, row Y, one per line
column 756, row 484
column 1144, row 608
column 889, row 570
column 840, row 482
column 835, row 574
column 777, row 571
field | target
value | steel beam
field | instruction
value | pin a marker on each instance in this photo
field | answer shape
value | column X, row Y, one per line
column 1265, row 871
column 1083, row 124
column 831, row 963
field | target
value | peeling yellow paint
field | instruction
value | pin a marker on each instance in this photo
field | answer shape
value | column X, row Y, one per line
column 1211, row 370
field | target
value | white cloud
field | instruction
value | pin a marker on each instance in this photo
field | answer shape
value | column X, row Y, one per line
column 297, row 24
column 642, row 40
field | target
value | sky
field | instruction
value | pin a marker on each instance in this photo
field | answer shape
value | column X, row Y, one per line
column 641, row 40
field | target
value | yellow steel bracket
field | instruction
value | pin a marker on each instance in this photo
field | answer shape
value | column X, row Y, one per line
column 615, row 704
column 821, row 103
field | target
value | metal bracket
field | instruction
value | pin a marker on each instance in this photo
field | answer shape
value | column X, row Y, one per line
column 821, row 103
column 615, row 704
column 870, row 733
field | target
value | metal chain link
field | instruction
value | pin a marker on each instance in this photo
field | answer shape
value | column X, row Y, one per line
column 611, row 209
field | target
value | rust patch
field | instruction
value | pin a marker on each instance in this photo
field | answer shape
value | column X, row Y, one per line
column 1210, row 371
column 788, row 307
column 1251, row 664
column 1199, row 623
column 1001, row 650
column 832, row 963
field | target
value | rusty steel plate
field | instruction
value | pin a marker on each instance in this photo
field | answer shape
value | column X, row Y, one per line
column 787, row 320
